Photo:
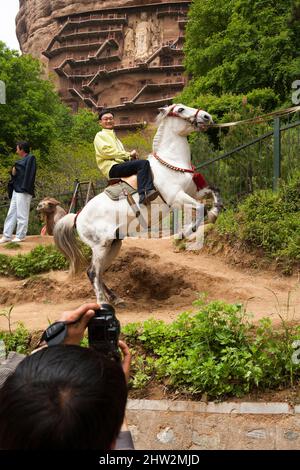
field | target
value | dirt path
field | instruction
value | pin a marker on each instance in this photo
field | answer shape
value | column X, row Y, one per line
column 154, row 281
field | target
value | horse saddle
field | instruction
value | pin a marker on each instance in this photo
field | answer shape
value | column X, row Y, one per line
column 118, row 189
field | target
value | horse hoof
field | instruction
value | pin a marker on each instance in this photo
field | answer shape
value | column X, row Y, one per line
column 119, row 301
column 212, row 215
column 194, row 246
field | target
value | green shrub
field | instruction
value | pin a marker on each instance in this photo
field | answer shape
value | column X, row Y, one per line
column 227, row 223
column 267, row 220
column 5, row 269
column 217, row 351
column 17, row 340
column 40, row 259
column 140, row 141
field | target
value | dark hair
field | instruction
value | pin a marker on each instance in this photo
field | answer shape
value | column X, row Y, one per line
column 23, row 146
column 63, row 397
column 105, row 111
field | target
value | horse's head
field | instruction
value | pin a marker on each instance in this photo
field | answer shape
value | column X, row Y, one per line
column 195, row 118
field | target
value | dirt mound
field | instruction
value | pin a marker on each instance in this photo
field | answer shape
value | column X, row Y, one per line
column 155, row 282
column 43, row 289
column 31, row 289
column 152, row 283
column 139, row 274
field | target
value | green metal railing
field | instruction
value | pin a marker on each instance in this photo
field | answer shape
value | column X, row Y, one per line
column 260, row 163
column 70, row 200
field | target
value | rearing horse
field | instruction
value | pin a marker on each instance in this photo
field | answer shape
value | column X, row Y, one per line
column 102, row 219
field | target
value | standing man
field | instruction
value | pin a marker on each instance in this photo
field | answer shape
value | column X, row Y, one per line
column 23, row 179
column 114, row 162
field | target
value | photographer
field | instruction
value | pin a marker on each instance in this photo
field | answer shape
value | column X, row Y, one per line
column 64, row 396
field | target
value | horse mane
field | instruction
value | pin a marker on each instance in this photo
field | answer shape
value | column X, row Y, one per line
column 163, row 112
column 160, row 121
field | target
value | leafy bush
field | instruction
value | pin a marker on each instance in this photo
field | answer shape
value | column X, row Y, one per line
column 17, row 340
column 5, row 268
column 227, row 223
column 140, row 141
column 269, row 221
column 222, row 107
column 68, row 163
column 40, row 259
column 231, row 48
column 216, row 350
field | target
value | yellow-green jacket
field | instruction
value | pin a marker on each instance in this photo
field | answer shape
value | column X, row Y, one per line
column 109, row 151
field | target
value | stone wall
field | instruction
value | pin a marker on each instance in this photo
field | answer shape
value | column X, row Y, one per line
column 126, row 55
column 186, row 425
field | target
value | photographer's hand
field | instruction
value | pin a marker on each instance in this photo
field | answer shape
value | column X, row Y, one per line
column 126, row 358
column 81, row 317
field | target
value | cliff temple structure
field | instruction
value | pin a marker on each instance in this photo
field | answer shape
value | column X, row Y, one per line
column 125, row 54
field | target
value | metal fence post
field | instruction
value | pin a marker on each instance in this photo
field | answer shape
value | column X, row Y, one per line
column 277, row 154
column 74, row 201
column 174, row 214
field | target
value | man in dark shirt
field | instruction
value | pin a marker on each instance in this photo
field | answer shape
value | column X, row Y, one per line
column 23, row 179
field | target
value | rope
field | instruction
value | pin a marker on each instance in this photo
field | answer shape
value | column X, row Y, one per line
column 259, row 119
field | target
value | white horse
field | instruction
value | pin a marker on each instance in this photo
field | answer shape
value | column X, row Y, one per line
column 102, row 220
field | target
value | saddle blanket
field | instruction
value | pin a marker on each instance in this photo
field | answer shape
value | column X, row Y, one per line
column 118, row 191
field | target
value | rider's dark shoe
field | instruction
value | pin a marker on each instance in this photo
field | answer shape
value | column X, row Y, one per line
column 148, row 197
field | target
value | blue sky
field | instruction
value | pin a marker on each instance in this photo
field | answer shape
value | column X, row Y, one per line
column 8, row 12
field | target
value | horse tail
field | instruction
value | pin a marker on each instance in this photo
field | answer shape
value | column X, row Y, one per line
column 65, row 239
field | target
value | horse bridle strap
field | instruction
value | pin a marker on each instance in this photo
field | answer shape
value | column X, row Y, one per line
column 192, row 119
column 172, row 167
column 171, row 112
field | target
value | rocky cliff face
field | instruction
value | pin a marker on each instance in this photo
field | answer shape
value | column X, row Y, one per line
column 125, row 54
column 36, row 23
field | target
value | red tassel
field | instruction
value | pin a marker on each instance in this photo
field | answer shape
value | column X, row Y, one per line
column 199, row 181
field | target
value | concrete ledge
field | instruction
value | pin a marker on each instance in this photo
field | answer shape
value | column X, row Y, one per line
column 188, row 425
column 212, row 407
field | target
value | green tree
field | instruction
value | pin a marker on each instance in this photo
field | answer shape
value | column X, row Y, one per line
column 62, row 142
column 238, row 46
column 33, row 110
column 85, row 126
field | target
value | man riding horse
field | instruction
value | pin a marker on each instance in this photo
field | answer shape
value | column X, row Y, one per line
column 114, row 162
column 102, row 219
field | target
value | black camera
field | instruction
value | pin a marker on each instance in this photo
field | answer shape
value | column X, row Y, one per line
column 104, row 332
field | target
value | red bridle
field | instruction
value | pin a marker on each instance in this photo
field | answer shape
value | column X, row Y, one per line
column 192, row 119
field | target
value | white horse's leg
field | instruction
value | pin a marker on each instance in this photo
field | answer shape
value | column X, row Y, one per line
column 96, row 270
column 217, row 206
column 183, row 199
column 112, row 254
